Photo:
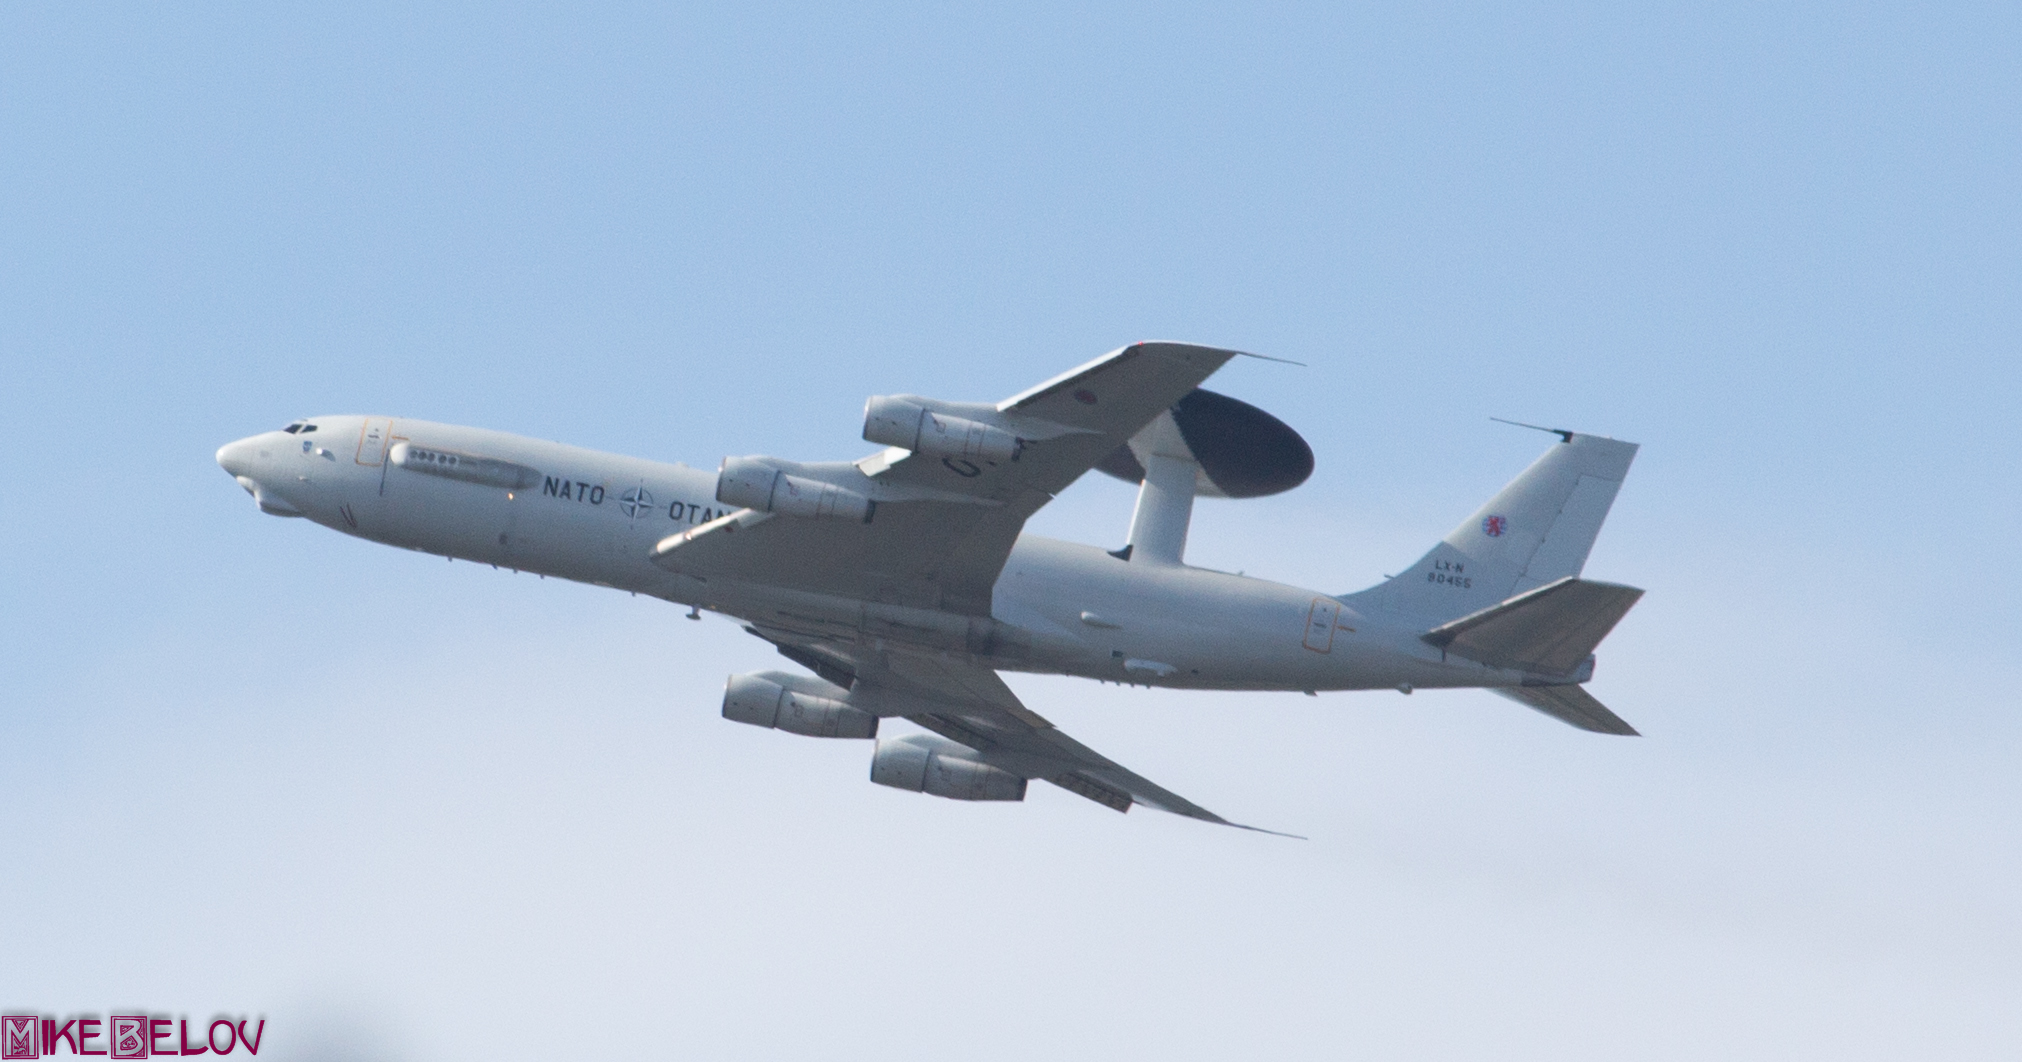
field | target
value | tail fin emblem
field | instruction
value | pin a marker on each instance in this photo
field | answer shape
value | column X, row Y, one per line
column 1494, row 526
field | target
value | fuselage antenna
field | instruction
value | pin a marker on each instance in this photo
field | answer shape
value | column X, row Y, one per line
column 1560, row 432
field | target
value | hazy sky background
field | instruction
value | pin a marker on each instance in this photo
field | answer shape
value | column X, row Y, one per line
column 415, row 810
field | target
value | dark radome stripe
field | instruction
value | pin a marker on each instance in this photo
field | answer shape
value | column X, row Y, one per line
column 1246, row 451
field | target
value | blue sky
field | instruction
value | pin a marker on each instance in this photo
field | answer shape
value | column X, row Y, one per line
column 255, row 767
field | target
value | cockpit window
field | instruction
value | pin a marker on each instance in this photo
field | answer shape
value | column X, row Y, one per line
column 307, row 428
column 293, row 428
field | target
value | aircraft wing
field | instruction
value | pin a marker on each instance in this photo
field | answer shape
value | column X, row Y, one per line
column 944, row 526
column 968, row 703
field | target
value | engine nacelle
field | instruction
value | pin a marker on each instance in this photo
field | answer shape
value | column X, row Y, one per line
column 926, row 763
column 753, row 484
column 897, row 422
column 766, row 699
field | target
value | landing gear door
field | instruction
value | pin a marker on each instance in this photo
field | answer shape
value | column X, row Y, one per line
column 372, row 440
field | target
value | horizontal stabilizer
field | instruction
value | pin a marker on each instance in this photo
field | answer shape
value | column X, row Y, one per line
column 1572, row 705
column 1548, row 631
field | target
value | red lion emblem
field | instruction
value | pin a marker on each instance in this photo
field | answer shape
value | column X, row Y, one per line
column 1494, row 526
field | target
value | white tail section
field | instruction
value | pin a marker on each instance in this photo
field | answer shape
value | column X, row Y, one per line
column 1537, row 530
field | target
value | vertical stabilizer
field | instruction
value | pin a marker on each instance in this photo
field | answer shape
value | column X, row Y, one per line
column 1534, row 531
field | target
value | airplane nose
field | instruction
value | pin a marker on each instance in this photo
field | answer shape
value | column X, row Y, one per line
column 236, row 457
column 243, row 459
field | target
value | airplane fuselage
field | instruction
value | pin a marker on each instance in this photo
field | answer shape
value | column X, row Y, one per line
column 529, row 505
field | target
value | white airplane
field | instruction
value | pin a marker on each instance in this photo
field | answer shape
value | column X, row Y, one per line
column 904, row 583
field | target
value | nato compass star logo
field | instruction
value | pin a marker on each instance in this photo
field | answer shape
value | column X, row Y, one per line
column 635, row 501
column 1494, row 526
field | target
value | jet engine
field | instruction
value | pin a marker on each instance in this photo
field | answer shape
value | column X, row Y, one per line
column 927, row 763
column 754, row 484
column 795, row 704
column 910, row 426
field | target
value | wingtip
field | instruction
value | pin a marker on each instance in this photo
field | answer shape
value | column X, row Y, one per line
column 1274, row 833
column 1209, row 816
column 1201, row 814
column 1281, row 361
